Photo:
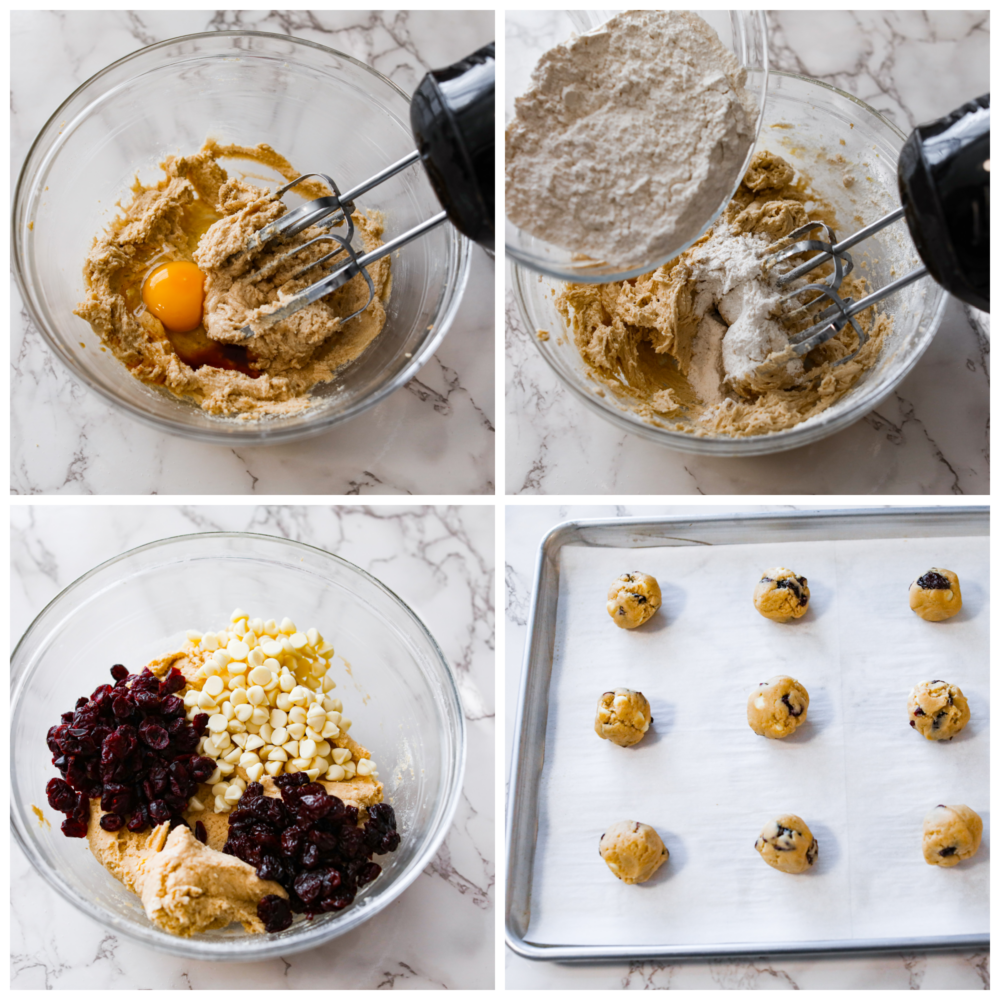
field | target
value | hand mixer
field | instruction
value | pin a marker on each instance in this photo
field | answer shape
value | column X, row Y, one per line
column 944, row 187
column 452, row 118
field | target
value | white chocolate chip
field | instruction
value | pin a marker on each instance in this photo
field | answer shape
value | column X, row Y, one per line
column 218, row 723
column 255, row 772
column 335, row 773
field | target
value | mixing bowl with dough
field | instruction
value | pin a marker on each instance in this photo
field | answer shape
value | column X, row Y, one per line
column 808, row 124
column 323, row 111
column 136, row 607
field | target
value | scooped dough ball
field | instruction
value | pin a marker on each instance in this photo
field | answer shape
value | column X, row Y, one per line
column 633, row 599
column 623, row 716
column 781, row 595
column 777, row 707
column 937, row 710
column 936, row 596
column 786, row 843
column 951, row 834
column 633, row 851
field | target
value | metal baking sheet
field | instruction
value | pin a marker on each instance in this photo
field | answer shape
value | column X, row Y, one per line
column 533, row 712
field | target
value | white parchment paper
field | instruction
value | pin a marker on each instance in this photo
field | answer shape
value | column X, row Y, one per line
column 856, row 772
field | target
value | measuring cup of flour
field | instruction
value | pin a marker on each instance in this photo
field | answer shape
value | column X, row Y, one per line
column 627, row 133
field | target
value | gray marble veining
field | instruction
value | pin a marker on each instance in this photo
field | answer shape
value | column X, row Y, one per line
column 931, row 436
column 440, row 932
column 436, row 435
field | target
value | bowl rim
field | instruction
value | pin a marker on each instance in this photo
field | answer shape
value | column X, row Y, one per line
column 196, row 947
column 231, row 430
column 726, row 447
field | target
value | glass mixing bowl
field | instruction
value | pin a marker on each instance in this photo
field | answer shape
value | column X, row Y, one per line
column 809, row 124
column 321, row 109
column 743, row 32
column 397, row 689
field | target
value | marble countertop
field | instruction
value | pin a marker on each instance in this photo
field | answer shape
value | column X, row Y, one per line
column 436, row 435
column 930, row 436
column 440, row 932
column 525, row 527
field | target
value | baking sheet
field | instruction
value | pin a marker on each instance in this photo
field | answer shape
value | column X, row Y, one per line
column 856, row 772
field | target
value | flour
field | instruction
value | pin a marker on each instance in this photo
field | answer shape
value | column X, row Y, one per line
column 731, row 291
column 630, row 138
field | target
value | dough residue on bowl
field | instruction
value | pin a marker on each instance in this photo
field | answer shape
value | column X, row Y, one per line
column 198, row 213
column 697, row 340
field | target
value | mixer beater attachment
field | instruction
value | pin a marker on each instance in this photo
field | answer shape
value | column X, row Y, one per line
column 944, row 187
column 452, row 119
column 833, row 317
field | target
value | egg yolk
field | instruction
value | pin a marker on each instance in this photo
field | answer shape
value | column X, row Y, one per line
column 174, row 294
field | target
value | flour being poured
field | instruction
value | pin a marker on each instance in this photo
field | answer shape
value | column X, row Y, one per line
column 630, row 138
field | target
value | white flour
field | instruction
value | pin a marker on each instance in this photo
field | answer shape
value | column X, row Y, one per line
column 727, row 271
column 630, row 138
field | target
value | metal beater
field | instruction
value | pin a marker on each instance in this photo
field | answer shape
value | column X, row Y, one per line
column 944, row 186
column 452, row 118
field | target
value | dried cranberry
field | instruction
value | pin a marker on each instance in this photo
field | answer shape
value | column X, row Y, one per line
column 270, row 867
column 292, row 839
column 159, row 811
column 139, row 820
column 202, row 768
column 309, row 886
column 122, row 707
column 111, row 822
column 119, row 672
column 172, row 683
column 200, row 832
column 61, row 797
column 200, row 723
column 275, row 913
column 153, row 735
column 72, row 827
column 369, row 872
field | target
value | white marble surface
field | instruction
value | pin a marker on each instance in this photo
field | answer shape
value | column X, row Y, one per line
column 440, row 932
column 930, row 436
column 434, row 436
column 525, row 527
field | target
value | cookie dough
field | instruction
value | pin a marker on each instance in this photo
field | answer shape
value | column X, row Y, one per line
column 937, row 710
column 633, row 851
column 623, row 716
column 936, row 596
column 186, row 887
column 781, row 595
column 951, row 834
column 199, row 213
column 633, row 599
column 659, row 341
column 777, row 707
column 786, row 843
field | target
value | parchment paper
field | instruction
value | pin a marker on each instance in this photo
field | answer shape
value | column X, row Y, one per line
column 856, row 772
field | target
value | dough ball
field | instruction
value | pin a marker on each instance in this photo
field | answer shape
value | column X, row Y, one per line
column 936, row 596
column 633, row 599
column 781, row 595
column 937, row 710
column 633, row 851
column 777, row 707
column 623, row 716
column 786, row 843
column 951, row 834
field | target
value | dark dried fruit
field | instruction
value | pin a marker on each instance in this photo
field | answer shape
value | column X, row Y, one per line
column 72, row 827
column 200, row 832
column 131, row 747
column 275, row 913
column 933, row 581
column 309, row 842
column 947, row 852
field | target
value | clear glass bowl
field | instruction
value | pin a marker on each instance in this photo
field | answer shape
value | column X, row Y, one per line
column 743, row 32
column 320, row 108
column 806, row 122
column 401, row 696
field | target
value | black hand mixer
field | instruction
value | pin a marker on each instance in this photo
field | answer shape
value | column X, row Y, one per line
column 944, row 187
column 453, row 122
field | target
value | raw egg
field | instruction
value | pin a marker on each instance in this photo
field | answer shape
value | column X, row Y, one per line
column 174, row 294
